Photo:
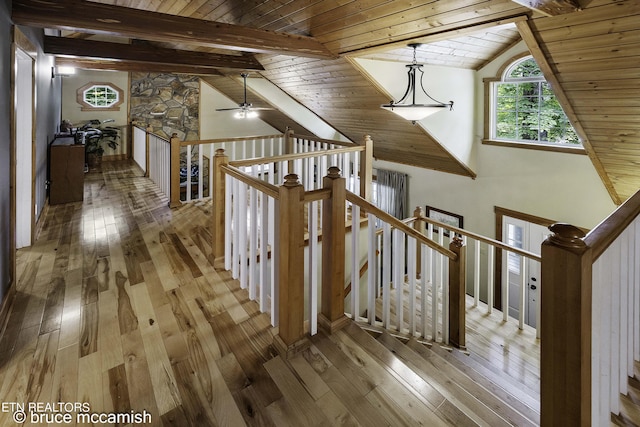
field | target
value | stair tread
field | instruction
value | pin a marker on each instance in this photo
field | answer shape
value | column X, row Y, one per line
column 459, row 387
column 469, row 362
column 350, row 385
column 366, row 347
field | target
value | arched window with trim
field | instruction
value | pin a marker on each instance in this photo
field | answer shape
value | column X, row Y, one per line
column 524, row 108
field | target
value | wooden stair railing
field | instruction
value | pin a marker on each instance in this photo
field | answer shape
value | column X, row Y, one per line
column 589, row 327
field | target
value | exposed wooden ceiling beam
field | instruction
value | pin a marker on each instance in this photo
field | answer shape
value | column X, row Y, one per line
column 145, row 67
column 551, row 7
column 134, row 23
column 76, row 48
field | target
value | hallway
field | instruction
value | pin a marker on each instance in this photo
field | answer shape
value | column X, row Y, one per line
column 117, row 307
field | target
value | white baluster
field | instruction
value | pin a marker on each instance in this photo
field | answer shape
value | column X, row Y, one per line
column 411, row 261
column 355, row 263
column 275, row 268
column 227, row 222
column 445, row 299
column 188, row 182
column 253, row 236
column 476, row 274
column 235, row 269
column 505, row 288
column 398, row 276
column 264, row 251
column 372, row 271
column 424, row 287
column 490, row 278
column 242, row 232
column 386, row 275
column 522, row 295
column 314, row 254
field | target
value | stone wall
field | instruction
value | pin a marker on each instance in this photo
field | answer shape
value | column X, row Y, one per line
column 169, row 103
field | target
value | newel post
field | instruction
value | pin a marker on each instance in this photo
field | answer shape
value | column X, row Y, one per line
column 457, row 293
column 147, row 137
column 366, row 168
column 217, row 231
column 291, row 335
column 174, row 197
column 565, row 327
column 418, row 225
column 332, row 315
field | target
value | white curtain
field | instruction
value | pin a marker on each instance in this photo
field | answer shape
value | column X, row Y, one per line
column 391, row 192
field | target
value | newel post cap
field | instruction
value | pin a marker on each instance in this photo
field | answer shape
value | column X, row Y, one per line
column 567, row 235
column 291, row 180
column 334, row 172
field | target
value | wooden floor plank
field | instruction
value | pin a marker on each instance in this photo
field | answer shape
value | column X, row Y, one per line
column 109, row 339
column 419, row 399
column 70, row 325
column 296, row 395
column 89, row 320
column 141, row 393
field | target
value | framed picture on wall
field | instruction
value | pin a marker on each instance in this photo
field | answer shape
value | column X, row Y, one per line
column 445, row 217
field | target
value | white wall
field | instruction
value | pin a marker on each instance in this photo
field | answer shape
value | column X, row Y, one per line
column 557, row 186
column 453, row 129
column 71, row 109
column 221, row 124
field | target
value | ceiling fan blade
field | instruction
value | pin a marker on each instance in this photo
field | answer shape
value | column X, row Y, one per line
column 229, row 109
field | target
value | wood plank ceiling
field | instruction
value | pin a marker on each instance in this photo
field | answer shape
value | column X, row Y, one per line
column 594, row 54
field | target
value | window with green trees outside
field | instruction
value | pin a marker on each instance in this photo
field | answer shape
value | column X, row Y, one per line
column 526, row 109
column 100, row 96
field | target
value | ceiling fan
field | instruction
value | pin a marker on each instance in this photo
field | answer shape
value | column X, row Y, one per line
column 244, row 110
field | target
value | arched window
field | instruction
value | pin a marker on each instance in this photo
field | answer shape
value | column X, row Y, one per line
column 525, row 109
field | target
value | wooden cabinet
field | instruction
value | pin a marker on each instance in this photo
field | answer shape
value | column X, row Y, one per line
column 66, row 171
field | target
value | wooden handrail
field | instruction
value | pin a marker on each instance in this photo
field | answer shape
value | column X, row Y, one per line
column 396, row 223
column 327, row 141
column 269, row 189
column 315, row 195
column 601, row 236
column 296, row 156
column 481, row 238
column 221, row 140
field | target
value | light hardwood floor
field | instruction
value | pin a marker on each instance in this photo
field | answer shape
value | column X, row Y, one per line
column 119, row 308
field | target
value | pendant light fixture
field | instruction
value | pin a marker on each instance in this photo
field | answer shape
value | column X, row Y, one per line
column 413, row 111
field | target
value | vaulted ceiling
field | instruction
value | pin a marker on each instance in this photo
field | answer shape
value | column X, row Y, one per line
column 589, row 50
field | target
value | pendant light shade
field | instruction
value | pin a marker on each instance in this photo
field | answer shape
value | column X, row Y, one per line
column 414, row 111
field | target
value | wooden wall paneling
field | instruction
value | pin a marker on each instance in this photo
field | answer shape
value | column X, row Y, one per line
column 441, row 17
column 598, row 18
column 324, row 13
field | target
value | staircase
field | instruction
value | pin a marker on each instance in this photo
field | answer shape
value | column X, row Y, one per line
column 373, row 378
